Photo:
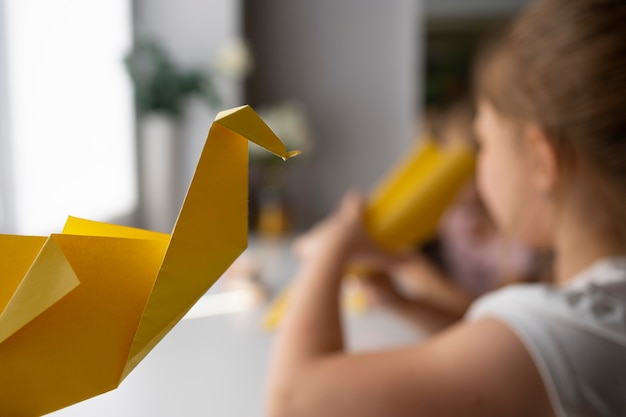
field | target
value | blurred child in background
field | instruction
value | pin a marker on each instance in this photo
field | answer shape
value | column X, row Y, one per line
column 470, row 256
column 551, row 169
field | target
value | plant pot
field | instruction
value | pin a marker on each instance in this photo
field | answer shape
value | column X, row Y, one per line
column 158, row 135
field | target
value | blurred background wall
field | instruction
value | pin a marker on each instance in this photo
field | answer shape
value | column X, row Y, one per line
column 352, row 64
column 361, row 73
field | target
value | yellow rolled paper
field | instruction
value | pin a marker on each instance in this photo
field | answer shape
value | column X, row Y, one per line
column 405, row 207
column 79, row 310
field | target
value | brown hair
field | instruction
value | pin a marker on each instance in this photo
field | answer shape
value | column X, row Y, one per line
column 562, row 65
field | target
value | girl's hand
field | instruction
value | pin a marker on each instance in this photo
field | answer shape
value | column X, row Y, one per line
column 344, row 231
column 341, row 230
column 381, row 291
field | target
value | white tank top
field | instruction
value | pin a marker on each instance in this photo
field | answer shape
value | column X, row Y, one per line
column 576, row 335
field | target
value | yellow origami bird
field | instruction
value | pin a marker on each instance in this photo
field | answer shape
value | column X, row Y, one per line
column 80, row 309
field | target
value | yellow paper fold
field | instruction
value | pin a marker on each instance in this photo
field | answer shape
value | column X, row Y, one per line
column 79, row 310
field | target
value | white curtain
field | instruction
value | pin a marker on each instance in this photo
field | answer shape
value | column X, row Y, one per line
column 5, row 215
column 68, row 125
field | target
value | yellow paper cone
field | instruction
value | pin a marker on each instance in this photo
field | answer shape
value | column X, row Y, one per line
column 404, row 209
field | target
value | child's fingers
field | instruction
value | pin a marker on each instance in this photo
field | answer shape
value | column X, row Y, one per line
column 352, row 206
column 380, row 290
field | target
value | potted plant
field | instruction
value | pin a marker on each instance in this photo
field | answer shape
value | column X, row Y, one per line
column 162, row 86
column 269, row 202
column 162, row 89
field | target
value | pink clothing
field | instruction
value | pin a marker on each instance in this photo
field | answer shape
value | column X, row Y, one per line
column 480, row 262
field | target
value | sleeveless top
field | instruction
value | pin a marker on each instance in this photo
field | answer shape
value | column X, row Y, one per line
column 576, row 335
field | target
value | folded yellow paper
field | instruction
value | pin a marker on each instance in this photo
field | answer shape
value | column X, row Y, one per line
column 403, row 210
column 80, row 309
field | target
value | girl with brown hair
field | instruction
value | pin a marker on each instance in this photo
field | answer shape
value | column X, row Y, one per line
column 551, row 124
column 434, row 286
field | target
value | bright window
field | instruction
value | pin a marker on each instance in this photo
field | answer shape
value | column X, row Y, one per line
column 70, row 112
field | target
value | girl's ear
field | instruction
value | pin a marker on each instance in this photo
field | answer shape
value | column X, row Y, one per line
column 543, row 161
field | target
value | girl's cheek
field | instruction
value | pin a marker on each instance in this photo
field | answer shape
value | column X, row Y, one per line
column 482, row 181
column 487, row 183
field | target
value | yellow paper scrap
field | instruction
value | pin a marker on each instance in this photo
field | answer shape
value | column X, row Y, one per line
column 79, row 310
column 404, row 209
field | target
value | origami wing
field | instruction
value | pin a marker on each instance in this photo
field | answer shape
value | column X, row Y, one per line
column 80, row 309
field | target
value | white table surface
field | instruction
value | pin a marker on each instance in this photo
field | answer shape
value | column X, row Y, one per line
column 216, row 365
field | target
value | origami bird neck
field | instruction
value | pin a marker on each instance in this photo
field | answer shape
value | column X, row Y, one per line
column 211, row 229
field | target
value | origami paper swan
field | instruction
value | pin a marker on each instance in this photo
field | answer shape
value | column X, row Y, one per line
column 80, row 309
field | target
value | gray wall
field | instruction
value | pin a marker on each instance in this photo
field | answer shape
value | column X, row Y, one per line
column 354, row 65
